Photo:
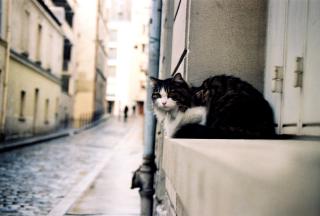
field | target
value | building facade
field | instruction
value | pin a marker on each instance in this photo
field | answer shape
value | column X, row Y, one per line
column 65, row 11
column 34, row 70
column 127, row 59
column 91, row 56
column 272, row 45
column 54, row 76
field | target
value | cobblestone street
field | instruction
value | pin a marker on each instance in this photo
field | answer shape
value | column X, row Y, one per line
column 36, row 178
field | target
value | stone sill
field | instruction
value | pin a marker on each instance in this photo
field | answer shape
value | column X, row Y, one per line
column 243, row 177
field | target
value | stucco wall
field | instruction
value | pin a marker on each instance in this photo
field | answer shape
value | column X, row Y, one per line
column 25, row 38
column 20, row 77
column 90, row 55
column 2, row 68
column 220, row 37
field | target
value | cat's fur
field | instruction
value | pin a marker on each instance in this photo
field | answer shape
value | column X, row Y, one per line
column 222, row 107
column 173, row 104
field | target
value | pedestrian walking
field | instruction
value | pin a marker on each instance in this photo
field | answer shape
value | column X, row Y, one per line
column 133, row 109
column 126, row 109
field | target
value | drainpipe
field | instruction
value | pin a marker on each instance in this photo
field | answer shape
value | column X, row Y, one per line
column 6, row 72
column 143, row 177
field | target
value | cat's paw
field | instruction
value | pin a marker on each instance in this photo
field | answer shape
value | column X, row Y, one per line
column 196, row 115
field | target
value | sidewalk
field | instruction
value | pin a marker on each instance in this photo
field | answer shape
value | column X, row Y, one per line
column 33, row 140
column 5, row 146
column 110, row 193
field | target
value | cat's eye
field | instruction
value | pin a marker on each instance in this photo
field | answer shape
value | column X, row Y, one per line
column 156, row 95
column 173, row 96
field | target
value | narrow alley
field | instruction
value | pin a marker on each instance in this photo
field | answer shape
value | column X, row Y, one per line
column 42, row 179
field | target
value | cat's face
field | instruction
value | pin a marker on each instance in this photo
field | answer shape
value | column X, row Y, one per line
column 171, row 94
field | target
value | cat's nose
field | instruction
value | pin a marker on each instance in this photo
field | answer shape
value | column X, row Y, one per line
column 164, row 103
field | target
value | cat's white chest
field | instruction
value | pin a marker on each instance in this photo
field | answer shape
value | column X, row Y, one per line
column 171, row 125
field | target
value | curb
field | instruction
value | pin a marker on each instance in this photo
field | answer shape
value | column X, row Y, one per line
column 62, row 207
column 31, row 141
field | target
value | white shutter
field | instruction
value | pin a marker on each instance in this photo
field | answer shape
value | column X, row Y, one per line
column 293, row 44
column 294, row 48
column 275, row 53
column 311, row 75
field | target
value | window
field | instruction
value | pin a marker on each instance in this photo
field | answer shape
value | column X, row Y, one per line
column 112, row 70
column 69, row 17
column 46, row 111
column 112, row 53
column 66, row 53
column 113, row 35
column 38, row 48
column 50, row 46
column 25, row 34
column 65, row 83
column 35, row 109
column 22, row 106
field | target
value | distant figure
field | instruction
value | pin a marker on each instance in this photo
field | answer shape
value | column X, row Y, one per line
column 126, row 109
column 133, row 109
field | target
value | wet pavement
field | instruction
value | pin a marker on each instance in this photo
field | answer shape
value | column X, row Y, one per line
column 34, row 179
column 110, row 195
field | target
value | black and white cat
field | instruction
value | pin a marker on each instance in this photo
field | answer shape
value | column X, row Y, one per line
column 222, row 107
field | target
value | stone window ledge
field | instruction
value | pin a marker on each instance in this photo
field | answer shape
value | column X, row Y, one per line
column 242, row 177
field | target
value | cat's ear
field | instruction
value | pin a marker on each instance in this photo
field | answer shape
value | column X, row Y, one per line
column 178, row 78
column 153, row 81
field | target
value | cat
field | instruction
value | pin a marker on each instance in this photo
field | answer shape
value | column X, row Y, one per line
column 222, row 107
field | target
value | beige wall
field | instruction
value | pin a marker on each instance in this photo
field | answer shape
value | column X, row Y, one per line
column 90, row 56
column 220, row 37
column 24, row 37
column 27, row 78
column 69, row 32
column 35, row 63
column 2, row 69
column 82, row 108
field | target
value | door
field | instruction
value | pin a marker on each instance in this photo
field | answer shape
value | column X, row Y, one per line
column 35, row 110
